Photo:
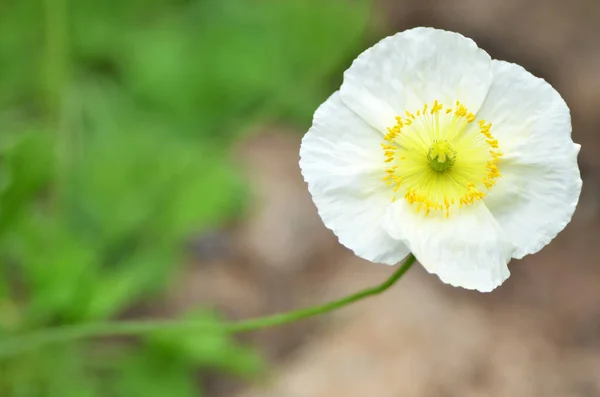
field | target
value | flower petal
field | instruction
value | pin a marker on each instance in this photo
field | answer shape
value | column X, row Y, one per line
column 467, row 250
column 413, row 68
column 342, row 162
column 536, row 196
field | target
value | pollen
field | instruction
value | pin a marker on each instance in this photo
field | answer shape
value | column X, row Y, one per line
column 439, row 159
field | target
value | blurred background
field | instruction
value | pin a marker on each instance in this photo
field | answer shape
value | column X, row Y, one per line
column 149, row 169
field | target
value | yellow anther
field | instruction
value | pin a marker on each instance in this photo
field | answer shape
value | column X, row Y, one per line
column 493, row 143
column 436, row 107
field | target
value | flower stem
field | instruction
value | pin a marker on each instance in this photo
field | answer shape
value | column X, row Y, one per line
column 34, row 340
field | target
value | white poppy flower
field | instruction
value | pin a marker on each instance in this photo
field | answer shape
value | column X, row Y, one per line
column 432, row 147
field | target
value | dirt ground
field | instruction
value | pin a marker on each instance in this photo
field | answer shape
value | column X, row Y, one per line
column 537, row 335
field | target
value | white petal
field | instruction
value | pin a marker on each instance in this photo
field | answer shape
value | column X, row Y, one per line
column 342, row 162
column 536, row 196
column 405, row 71
column 468, row 249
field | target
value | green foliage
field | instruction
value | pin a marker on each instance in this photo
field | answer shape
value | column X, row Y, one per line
column 115, row 151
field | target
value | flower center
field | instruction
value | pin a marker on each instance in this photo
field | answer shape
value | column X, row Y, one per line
column 439, row 158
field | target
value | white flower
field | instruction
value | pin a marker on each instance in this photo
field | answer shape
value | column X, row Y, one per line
column 432, row 147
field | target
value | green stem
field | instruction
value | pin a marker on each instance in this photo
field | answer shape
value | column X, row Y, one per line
column 56, row 56
column 55, row 66
column 35, row 340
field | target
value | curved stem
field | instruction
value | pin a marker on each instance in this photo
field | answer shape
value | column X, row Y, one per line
column 37, row 339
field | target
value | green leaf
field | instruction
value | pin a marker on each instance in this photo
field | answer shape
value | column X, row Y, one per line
column 142, row 273
column 58, row 267
column 27, row 163
column 208, row 349
column 165, row 188
column 53, row 372
column 144, row 375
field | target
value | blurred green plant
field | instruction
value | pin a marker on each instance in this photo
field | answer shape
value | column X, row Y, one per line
column 114, row 134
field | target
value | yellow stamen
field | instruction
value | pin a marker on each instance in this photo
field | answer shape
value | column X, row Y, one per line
column 437, row 161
